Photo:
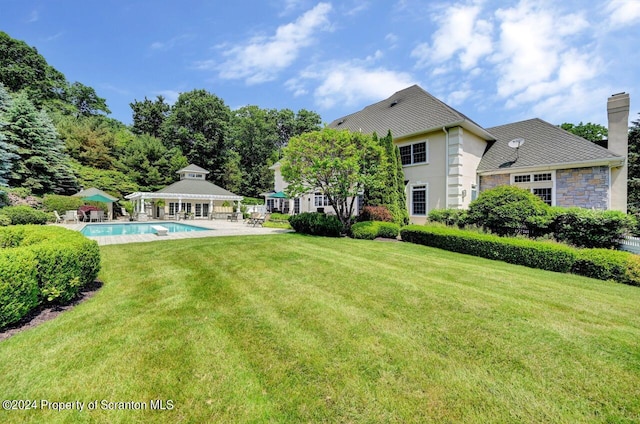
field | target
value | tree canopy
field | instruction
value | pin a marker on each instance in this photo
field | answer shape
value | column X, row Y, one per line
column 595, row 133
column 338, row 163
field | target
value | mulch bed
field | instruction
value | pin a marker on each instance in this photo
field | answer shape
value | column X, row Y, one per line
column 46, row 313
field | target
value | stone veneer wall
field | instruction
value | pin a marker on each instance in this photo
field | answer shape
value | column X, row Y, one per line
column 491, row 181
column 583, row 187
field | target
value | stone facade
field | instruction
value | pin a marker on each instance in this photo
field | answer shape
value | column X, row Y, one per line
column 491, row 181
column 583, row 187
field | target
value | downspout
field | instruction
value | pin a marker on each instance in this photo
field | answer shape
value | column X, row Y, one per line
column 446, row 168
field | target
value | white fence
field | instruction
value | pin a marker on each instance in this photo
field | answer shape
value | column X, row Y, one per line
column 631, row 244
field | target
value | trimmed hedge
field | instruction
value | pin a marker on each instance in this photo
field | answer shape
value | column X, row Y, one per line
column 543, row 255
column 603, row 264
column 316, row 224
column 369, row 230
column 22, row 215
column 41, row 264
column 606, row 264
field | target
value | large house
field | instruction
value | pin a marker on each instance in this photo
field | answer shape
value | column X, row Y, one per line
column 448, row 158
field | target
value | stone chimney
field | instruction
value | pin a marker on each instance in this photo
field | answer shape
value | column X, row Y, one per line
column 618, row 114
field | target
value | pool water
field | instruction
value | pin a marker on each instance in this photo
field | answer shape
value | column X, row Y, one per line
column 98, row 230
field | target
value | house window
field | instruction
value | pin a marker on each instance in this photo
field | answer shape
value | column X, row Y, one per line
column 544, row 194
column 296, row 205
column 412, row 154
column 173, row 208
column 198, row 209
column 271, row 205
column 541, row 184
column 320, row 200
column 474, row 192
column 419, row 200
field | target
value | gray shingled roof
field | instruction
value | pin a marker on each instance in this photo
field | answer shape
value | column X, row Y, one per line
column 189, row 186
column 545, row 144
column 407, row 112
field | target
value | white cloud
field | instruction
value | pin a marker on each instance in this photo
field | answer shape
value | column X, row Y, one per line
column 262, row 58
column 623, row 12
column 462, row 35
column 534, row 58
column 351, row 83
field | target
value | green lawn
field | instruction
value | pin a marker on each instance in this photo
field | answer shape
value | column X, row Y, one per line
column 288, row 328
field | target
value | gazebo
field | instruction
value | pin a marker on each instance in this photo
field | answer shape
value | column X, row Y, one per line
column 192, row 195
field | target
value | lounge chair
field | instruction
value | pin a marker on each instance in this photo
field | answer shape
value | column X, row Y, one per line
column 59, row 219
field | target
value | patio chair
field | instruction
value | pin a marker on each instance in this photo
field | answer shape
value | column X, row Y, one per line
column 71, row 216
column 59, row 219
column 94, row 215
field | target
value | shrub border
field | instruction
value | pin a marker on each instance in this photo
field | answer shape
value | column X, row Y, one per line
column 603, row 264
column 42, row 264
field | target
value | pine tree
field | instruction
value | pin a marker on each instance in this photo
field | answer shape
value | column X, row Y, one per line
column 42, row 165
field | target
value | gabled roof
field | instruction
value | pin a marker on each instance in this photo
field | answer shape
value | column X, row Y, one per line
column 193, row 168
column 407, row 112
column 544, row 145
column 200, row 187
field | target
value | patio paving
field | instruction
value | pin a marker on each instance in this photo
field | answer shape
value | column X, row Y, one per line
column 217, row 228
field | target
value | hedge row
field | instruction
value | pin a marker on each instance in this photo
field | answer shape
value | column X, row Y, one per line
column 42, row 265
column 369, row 230
column 317, row 224
column 602, row 264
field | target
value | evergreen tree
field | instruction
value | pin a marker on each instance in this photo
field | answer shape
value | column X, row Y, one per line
column 7, row 158
column 633, row 180
column 42, row 165
column 392, row 194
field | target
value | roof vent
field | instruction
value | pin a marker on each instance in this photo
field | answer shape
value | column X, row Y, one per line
column 395, row 102
column 341, row 121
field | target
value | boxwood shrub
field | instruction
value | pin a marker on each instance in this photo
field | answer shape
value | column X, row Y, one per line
column 369, row 230
column 534, row 254
column 42, row 264
column 317, row 224
column 19, row 293
column 21, row 215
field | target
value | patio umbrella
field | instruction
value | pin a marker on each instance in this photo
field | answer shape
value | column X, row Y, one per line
column 278, row 195
column 97, row 195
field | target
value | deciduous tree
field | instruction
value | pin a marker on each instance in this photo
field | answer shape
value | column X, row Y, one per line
column 339, row 164
column 595, row 133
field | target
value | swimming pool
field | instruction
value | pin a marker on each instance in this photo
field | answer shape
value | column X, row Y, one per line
column 98, row 230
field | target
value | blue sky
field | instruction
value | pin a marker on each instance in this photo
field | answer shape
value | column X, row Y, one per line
column 495, row 61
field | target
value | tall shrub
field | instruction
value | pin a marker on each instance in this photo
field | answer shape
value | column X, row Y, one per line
column 591, row 228
column 504, row 210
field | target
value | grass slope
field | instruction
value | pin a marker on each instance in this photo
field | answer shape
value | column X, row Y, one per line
column 290, row 328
